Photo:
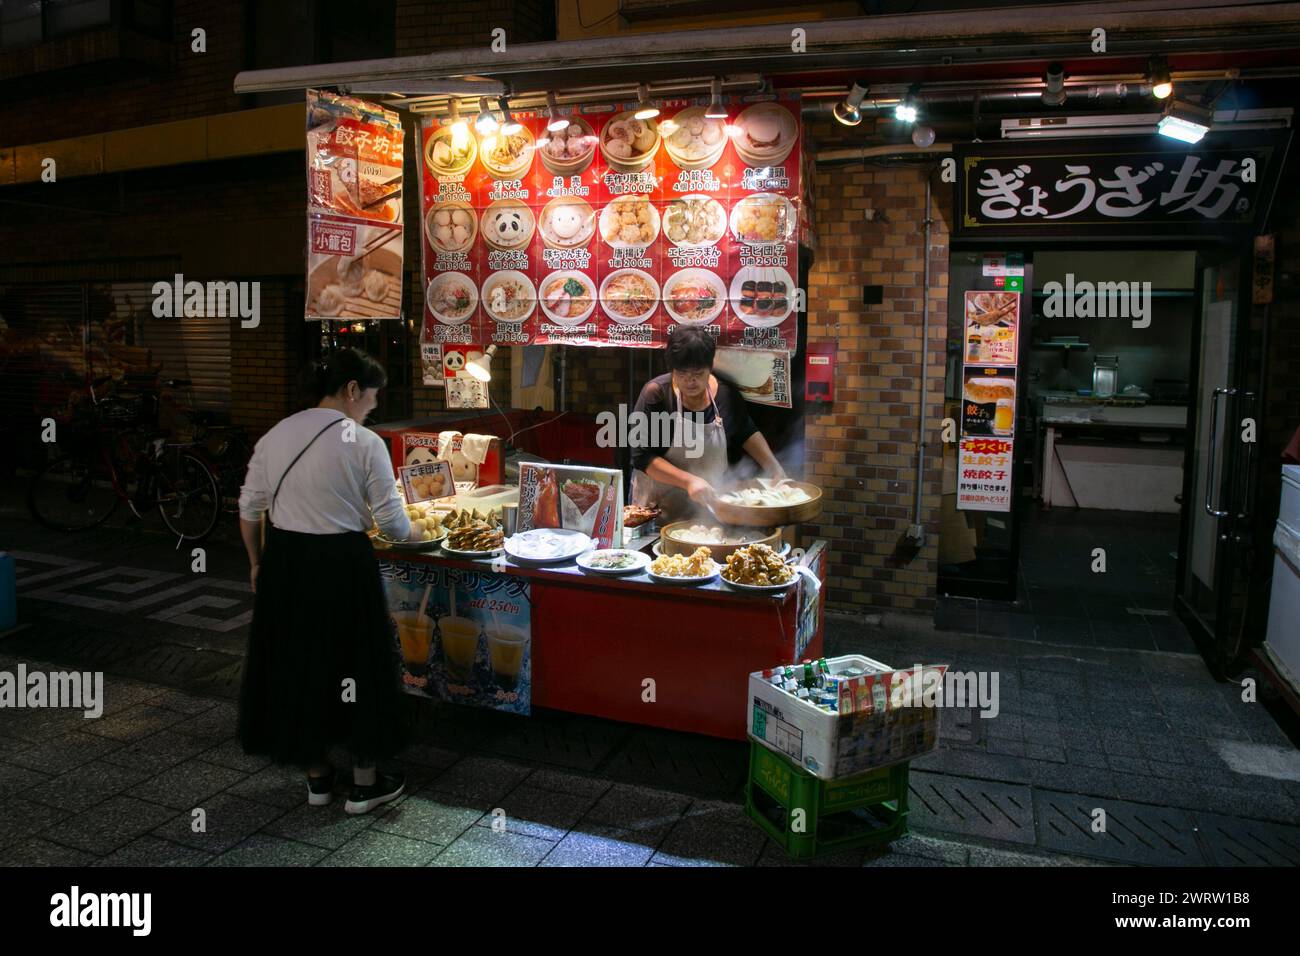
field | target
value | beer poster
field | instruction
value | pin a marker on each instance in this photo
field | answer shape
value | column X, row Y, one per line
column 992, row 328
column 463, row 636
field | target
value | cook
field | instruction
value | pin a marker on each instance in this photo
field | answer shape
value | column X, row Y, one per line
column 709, row 426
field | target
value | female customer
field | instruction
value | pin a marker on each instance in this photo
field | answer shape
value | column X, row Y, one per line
column 322, row 668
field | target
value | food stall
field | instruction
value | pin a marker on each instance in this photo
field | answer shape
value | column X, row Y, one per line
column 598, row 224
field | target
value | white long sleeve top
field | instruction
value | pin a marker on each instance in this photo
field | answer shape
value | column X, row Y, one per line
column 336, row 486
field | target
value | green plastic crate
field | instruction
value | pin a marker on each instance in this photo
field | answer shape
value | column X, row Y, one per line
column 869, row 809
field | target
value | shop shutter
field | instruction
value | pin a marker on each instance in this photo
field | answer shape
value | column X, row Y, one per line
column 42, row 325
column 197, row 349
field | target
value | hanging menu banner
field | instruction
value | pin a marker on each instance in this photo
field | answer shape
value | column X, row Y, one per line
column 615, row 231
column 354, row 209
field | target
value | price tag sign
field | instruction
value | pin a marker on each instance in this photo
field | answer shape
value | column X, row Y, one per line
column 426, row 481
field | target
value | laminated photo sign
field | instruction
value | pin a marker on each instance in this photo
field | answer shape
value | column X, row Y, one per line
column 573, row 497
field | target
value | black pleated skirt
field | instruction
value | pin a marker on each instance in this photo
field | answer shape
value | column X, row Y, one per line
column 320, row 618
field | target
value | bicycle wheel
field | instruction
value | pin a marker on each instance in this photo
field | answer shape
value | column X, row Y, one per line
column 189, row 499
column 72, row 493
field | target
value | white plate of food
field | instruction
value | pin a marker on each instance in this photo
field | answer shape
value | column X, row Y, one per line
column 763, row 218
column 630, row 222
column 568, row 297
column 694, row 568
column 629, row 296
column 614, row 561
column 758, row 568
column 451, row 227
column 547, row 545
column 458, row 553
column 452, row 298
column 693, row 140
column 762, row 296
column 507, row 155
column 567, row 223
column 764, row 134
column 474, row 539
column 509, row 296
column 507, row 225
column 694, row 296
column 694, row 222
column 448, row 155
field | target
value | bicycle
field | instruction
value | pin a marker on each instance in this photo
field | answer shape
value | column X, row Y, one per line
column 106, row 447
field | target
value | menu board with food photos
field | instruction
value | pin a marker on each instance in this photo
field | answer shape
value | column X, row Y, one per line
column 354, row 209
column 614, row 231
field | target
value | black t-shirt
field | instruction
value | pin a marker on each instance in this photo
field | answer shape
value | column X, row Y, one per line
column 657, row 396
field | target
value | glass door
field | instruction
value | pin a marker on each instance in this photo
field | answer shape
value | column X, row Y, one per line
column 1218, row 480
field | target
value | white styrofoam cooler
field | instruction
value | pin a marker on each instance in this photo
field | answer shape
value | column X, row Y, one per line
column 1283, row 641
column 832, row 745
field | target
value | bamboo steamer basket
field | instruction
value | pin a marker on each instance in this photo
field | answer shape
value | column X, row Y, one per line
column 719, row 552
column 746, row 516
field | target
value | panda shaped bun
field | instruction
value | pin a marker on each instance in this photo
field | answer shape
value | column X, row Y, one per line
column 508, row 227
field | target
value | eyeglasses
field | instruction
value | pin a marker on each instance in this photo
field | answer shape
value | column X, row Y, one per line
column 692, row 375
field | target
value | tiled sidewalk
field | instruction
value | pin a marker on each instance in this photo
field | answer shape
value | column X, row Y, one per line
column 122, row 790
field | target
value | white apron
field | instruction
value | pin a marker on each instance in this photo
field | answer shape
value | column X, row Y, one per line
column 711, row 465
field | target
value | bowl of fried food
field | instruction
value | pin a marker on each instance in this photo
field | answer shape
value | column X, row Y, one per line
column 696, row 568
column 758, row 568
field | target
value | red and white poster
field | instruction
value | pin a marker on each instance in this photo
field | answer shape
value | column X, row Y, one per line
column 615, row 231
column 354, row 209
column 984, row 474
column 576, row 497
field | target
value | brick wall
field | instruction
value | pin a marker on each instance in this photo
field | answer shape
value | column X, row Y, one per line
column 863, row 454
column 427, row 27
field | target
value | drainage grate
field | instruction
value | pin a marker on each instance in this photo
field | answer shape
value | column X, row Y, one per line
column 981, row 808
column 174, row 665
column 1234, row 842
column 1135, row 832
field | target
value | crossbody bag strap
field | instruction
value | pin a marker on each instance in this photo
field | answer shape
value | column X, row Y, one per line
column 271, row 510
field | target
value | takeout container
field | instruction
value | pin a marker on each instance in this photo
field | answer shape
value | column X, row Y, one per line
column 747, row 516
column 719, row 552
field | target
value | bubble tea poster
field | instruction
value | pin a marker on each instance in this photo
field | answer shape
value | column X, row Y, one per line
column 464, row 636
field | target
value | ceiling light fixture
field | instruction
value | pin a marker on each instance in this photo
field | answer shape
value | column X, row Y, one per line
column 905, row 111
column 556, row 121
column 848, row 111
column 1054, row 85
column 486, row 123
column 509, row 125
column 1185, row 122
column 1162, row 84
column 716, row 110
column 646, row 109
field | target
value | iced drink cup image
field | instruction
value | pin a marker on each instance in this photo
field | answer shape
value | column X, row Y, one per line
column 459, row 644
column 506, row 649
column 415, row 631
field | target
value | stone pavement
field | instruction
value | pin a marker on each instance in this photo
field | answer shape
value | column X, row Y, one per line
column 1186, row 772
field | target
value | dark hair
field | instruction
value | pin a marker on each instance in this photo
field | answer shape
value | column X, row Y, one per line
column 690, row 348
column 335, row 369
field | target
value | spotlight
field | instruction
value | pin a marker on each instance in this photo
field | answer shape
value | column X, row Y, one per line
column 905, row 110
column 1054, row 85
column 1185, row 122
column 646, row 110
column 480, row 369
column 556, row 122
column 486, row 123
column 509, row 126
column 848, row 111
column 716, row 110
column 1162, row 86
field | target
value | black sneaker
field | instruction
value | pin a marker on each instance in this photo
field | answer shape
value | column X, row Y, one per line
column 320, row 790
column 387, row 786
